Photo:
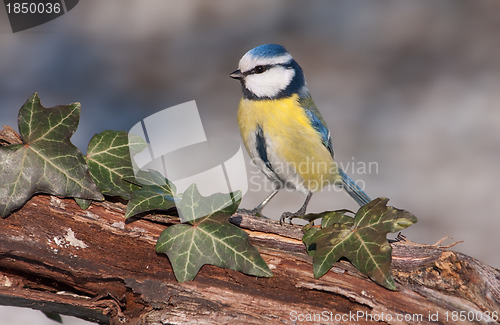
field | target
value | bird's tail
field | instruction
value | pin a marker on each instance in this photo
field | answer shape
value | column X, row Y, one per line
column 353, row 189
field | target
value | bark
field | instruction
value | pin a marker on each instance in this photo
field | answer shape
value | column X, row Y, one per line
column 95, row 265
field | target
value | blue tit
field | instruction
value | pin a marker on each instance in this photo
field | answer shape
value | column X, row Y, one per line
column 283, row 130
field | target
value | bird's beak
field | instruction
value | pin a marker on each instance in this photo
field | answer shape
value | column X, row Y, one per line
column 236, row 75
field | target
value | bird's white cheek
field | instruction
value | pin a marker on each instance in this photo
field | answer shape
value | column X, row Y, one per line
column 269, row 83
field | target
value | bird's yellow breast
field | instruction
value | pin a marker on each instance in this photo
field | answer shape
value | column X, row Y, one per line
column 290, row 139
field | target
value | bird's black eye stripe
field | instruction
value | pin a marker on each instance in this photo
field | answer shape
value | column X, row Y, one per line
column 258, row 69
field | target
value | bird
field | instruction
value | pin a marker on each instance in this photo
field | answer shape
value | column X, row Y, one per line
column 282, row 129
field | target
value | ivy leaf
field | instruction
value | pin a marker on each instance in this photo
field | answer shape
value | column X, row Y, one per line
column 108, row 158
column 46, row 161
column 311, row 217
column 194, row 206
column 362, row 241
column 156, row 193
column 339, row 217
column 308, row 237
column 110, row 165
column 83, row 203
column 210, row 240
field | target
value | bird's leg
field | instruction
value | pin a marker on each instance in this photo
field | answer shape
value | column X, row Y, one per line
column 261, row 206
column 300, row 213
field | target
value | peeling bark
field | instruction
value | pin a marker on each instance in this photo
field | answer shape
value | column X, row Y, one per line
column 95, row 265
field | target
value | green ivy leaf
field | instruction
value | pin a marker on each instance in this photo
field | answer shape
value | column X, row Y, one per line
column 309, row 232
column 210, row 240
column 194, row 206
column 46, row 161
column 147, row 177
column 156, row 193
column 361, row 240
column 108, row 158
column 83, row 204
column 338, row 216
column 329, row 216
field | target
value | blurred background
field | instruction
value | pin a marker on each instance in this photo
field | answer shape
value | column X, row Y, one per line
column 411, row 86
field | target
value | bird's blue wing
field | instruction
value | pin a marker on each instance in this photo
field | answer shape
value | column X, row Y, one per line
column 260, row 142
column 317, row 122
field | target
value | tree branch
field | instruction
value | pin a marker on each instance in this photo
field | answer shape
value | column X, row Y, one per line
column 94, row 265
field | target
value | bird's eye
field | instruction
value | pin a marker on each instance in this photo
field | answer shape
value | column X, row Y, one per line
column 259, row 69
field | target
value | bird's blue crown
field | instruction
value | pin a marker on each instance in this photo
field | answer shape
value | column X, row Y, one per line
column 268, row 51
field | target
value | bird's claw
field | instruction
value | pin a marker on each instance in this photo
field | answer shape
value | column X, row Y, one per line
column 284, row 216
column 290, row 216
